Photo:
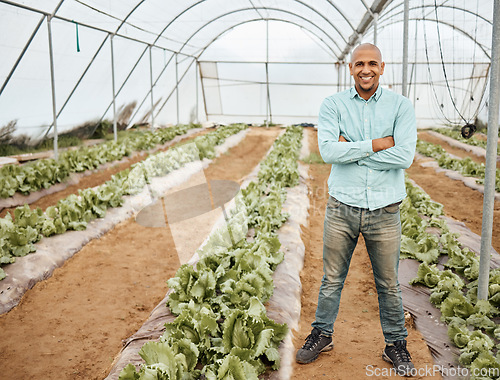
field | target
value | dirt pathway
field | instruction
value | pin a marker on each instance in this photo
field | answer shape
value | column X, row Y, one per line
column 460, row 202
column 358, row 336
column 452, row 149
column 72, row 325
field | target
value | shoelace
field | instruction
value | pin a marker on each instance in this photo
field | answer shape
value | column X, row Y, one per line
column 311, row 341
column 402, row 353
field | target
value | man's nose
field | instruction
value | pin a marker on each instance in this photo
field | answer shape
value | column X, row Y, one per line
column 366, row 69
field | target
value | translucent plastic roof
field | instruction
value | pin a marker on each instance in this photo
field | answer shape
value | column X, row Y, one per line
column 242, row 60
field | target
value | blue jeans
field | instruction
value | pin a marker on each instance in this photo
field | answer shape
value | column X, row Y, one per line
column 381, row 230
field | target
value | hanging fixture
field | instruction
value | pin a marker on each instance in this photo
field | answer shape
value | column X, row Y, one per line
column 468, row 131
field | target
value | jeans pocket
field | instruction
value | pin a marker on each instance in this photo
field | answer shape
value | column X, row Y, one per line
column 332, row 202
column 393, row 208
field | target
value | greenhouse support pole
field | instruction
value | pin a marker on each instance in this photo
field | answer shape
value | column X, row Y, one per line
column 115, row 133
column 139, row 107
column 415, row 68
column 404, row 90
column 347, row 76
column 268, row 100
column 375, row 27
column 268, row 108
column 491, row 156
column 339, row 75
column 117, row 92
column 173, row 90
column 52, row 85
column 151, row 84
column 197, row 91
column 341, row 78
column 200, row 72
column 177, row 84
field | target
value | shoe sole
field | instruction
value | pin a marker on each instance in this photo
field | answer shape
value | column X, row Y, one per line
column 325, row 349
column 388, row 360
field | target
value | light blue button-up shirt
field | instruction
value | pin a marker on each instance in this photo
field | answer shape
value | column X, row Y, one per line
column 359, row 177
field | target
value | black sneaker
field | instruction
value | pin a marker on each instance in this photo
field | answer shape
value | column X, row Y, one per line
column 399, row 357
column 314, row 345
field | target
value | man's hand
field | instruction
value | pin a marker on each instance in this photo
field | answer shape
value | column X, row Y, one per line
column 377, row 144
column 382, row 143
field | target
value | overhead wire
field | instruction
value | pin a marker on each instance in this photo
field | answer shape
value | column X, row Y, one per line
column 443, row 65
column 439, row 104
column 467, row 121
column 479, row 107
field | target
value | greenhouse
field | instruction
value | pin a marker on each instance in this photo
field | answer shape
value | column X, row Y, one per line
column 166, row 178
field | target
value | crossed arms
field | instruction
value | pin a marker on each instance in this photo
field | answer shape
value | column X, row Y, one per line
column 385, row 153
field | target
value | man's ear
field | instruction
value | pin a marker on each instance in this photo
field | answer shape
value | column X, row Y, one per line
column 382, row 66
column 350, row 67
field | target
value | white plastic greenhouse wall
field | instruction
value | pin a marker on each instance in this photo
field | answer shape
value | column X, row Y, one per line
column 254, row 61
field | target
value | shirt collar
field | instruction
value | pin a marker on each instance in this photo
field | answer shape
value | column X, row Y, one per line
column 375, row 96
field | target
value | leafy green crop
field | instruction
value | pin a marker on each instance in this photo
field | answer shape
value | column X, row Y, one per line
column 465, row 166
column 471, row 323
column 474, row 141
column 221, row 330
column 18, row 234
column 42, row 174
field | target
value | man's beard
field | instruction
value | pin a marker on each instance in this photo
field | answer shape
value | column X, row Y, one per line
column 366, row 89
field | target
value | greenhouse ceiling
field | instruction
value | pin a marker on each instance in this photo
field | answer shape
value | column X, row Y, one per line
column 70, row 62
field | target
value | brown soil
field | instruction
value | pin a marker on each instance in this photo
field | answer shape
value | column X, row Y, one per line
column 460, row 202
column 358, row 336
column 72, row 325
column 451, row 149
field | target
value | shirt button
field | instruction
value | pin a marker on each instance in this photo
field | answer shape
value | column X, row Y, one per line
column 370, row 171
column 367, row 154
column 368, row 188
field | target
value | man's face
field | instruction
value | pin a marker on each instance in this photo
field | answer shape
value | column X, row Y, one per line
column 366, row 67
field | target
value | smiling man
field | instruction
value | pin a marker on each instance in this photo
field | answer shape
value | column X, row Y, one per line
column 368, row 134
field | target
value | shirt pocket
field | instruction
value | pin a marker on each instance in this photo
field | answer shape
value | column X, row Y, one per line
column 383, row 126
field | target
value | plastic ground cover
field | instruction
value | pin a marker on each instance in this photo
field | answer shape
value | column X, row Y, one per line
column 427, row 316
column 468, row 181
column 476, row 150
column 283, row 306
column 52, row 252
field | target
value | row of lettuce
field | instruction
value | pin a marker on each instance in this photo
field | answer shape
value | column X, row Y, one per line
column 221, row 330
column 465, row 166
column 474, row 140
column 44, row 173
column 471, row 322
column 19, row 233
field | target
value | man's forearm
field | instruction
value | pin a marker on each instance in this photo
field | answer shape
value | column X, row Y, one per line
column 377, row 144
column 397, row 160
column 382, row 143
column 339, row 153
column 400, row 157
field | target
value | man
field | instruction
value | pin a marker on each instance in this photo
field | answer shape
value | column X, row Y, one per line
column 368, row 134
